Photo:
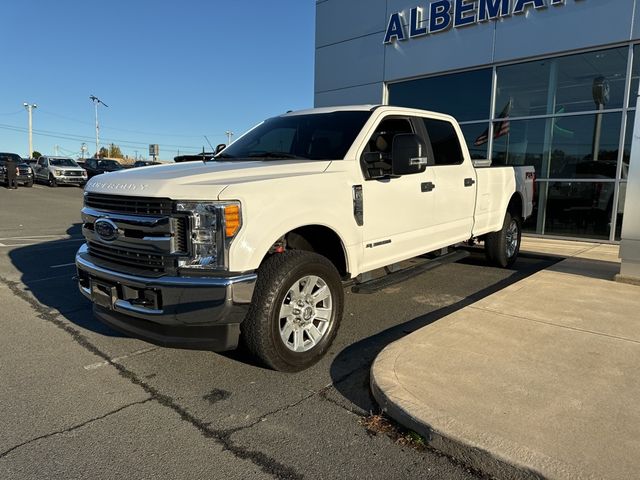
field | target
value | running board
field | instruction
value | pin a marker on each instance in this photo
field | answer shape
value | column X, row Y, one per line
column 377, row 284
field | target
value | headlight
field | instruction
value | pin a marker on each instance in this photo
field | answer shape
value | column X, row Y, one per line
column 57, row 172
column 213, row 225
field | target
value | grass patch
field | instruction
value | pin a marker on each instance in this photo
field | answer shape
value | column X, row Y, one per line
column 380, row 425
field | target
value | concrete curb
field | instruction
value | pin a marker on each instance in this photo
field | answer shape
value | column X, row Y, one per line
column 397, row 403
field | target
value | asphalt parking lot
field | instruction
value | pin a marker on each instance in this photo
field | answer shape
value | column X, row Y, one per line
column 82, row 401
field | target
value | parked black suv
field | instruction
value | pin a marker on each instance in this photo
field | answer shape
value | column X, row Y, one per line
column 96, row 166
column 25, row 173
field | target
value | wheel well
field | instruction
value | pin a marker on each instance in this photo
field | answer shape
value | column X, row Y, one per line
column 318, row 239
column 515, row 205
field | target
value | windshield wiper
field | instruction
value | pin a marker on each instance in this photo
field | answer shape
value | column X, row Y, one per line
column 283, row 155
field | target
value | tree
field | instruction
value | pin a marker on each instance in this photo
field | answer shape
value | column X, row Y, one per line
column 36, row 154
column 114, row 151
column 103, row 152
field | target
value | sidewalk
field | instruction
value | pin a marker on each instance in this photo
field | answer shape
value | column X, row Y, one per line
column 541, row 379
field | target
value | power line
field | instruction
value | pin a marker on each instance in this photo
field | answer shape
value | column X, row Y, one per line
column 75, row 137
column 102, row 127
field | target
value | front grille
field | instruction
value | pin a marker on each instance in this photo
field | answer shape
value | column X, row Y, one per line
column 131, row 258
column 72, row 173
column 129, row 205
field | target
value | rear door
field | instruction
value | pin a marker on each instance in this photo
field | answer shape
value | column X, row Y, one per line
column 454, row 178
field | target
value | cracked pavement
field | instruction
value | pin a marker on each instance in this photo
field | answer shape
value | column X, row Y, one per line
column 78, row 400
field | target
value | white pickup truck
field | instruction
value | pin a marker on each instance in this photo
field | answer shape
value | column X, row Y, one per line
column 261, row 240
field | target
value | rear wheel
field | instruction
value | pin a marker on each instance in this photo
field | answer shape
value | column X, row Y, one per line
column 52, row 181
column 502, row 247
column 295, row 312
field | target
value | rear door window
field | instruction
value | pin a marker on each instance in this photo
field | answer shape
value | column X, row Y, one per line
column 444, row 142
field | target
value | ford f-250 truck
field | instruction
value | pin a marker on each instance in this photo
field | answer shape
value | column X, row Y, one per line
column 260, row 240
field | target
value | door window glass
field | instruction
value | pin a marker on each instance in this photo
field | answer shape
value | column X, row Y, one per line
column 444, row 142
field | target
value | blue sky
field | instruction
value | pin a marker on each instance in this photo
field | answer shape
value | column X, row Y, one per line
column 170, row 71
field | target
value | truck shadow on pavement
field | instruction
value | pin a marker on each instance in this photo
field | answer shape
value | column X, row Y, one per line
column 350, row 369
column 48, row 273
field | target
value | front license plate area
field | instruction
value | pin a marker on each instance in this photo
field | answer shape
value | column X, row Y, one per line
column 102, row 294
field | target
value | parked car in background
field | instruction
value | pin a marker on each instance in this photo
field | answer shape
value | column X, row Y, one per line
column 145, row 163
column 25, row 173
column 97, row 166
column 58, row 171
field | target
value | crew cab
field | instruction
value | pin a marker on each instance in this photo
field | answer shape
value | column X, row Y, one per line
column 59, row 171
column 261, row 240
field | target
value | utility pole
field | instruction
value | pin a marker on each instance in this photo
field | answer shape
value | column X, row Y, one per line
column 96, row 101
column 229, row 134
column 30, row 107
column 83, row 149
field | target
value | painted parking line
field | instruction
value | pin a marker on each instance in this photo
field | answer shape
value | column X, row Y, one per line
column 63, row 265
column 94, row 366
column 36, row 240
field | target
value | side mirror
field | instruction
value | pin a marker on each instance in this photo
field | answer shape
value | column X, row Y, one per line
column 219, row 148
column 409, row 154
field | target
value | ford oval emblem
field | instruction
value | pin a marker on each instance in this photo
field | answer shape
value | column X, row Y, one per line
column 106, row 229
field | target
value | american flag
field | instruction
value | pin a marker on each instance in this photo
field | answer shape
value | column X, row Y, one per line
column 499, row 129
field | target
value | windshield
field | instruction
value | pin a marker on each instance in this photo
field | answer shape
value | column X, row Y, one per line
column 320, row 136
column 62, row 162
column 6, row 156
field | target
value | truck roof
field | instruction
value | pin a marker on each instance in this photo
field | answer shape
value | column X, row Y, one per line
column 360, row 108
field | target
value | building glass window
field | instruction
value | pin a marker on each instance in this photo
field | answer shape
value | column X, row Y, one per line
column 626, row 155
column 579, row 209
column 476, row 135
column 575, row 83
column 635, row 77
column 466, row 96
column 620, row 211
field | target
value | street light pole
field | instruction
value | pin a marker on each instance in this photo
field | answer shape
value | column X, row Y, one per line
column 30, row 107
column 229, row 134
column 96, row 101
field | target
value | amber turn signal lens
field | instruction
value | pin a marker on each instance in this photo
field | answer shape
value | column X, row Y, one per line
column 232, row 219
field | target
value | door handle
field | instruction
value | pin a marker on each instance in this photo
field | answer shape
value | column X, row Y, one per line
column 468, row 182
column 427, row 186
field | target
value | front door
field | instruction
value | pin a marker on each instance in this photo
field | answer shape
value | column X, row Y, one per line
column 397, row 210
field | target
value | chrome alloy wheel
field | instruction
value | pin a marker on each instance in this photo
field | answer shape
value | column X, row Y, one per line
column 512, row 238
column 305, row 314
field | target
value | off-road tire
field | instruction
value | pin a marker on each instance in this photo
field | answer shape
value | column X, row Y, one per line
column 496, row 244
column 261, row 328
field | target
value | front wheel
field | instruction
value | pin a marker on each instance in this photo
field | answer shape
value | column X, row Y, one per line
column 52, row 181
column 502, row 247
column 29, row 183
column 296, row 310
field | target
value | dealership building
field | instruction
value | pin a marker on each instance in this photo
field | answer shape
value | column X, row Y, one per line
column 548, row 83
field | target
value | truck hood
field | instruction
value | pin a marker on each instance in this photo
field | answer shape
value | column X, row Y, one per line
column 198, row 180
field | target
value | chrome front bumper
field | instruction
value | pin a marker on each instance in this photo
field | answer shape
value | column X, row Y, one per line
column 192, row 312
